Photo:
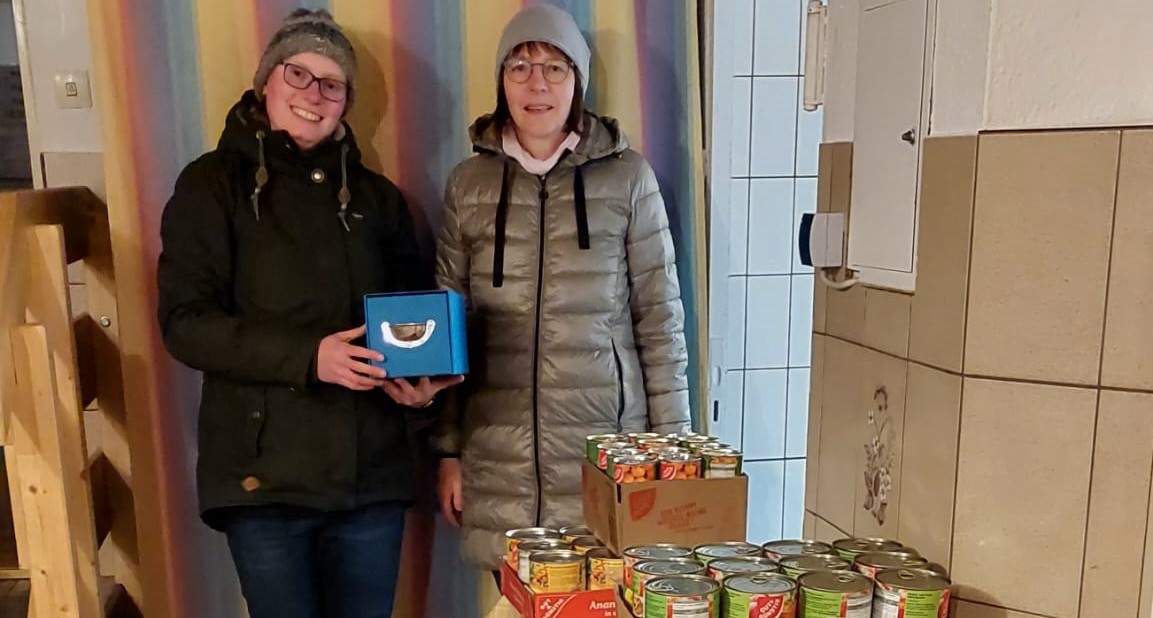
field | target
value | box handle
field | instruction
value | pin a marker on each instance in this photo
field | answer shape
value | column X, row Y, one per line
column 409, row 335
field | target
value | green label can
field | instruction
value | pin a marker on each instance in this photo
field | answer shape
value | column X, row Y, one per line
column 682, row 596
column 851, row 548
column 911, row 593
column 732, row 549
column 723, row 568
column 591, row 443
column 759, row 596
column 796, row 566
column 722, row 463
column 778, row 550
column 872, row 563
column 644, row 572
column 836, row 594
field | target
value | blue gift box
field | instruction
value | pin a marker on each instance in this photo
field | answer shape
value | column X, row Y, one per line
column 419, row 333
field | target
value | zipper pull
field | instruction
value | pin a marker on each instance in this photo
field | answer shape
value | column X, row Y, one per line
column 543, row 188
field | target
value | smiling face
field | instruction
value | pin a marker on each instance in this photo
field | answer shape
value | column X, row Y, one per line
column 307, row 116
column 539, row 108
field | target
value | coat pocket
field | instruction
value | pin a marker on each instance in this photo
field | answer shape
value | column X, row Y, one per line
column 620, row 374
column 254, row 425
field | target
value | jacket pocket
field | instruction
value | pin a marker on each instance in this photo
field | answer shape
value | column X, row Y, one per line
column 254, row 425
column 620, row 373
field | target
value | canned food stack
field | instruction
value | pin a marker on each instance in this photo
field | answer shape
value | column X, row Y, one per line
column 568, row 559
column 851, row 578
column 645, row 457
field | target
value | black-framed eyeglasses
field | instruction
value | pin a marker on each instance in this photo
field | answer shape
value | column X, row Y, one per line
column 519, row 70
column 301, row 78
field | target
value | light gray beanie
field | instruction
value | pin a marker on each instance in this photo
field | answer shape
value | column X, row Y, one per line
column 307, row 31
column 547, row 24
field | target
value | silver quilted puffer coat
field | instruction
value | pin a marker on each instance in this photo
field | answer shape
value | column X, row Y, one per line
column 577, row 328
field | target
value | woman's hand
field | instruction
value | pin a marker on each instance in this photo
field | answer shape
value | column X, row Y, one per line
column 418, row 395
column 336, row 362
column 449, row 490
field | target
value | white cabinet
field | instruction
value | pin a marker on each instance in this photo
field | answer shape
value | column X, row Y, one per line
column 890, row 117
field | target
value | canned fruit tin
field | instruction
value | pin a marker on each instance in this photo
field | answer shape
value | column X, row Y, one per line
column 871, row 563
column 678, row 466
column 637, row 437
column 731, row 549
column 651, row 444
column 624, row 452
column 513, row 537
column 835, row 594
column 557, row 571
column 525, row 550
column 909, row 593
column 648, row 570
column 659, row 551
column 759, row 595
column 721, row 569
column 569, row 533
column 682, row 596
column 722, row 463
column 605, row 452
column 851, row 548
column 591, row 443
column 605, row 570
column 782, row 549
column 696, row 439
column 795, row 566
column 582, row 544
column 635, row 468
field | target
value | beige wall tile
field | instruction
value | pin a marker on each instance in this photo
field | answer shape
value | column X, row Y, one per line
column 945, row 220
column 929, row 466
column 884, row 383
column 1127, row 360
column 1146, row 604
column 887, row 321
column 842, row 432
column 813, row 446
column 827, row 532
column 1118, row 505
column 1041, row 231
column 1022, row 494
column 845, row 313
column 964, row 609
column 810, row 526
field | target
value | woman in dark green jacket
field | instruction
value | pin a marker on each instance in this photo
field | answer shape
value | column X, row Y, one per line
column 270, row 243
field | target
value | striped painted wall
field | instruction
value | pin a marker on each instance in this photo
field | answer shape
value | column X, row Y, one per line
column 168, row 71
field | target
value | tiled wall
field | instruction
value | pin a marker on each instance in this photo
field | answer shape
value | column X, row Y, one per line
column 771, row 180
column 1019, row 376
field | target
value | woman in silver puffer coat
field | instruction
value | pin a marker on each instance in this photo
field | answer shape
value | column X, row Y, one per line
column 557, row 234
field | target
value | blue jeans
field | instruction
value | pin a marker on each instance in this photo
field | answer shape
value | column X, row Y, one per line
column 301, row 563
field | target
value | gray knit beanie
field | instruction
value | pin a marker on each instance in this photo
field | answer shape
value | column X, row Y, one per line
column 547, row 24
column 307, row 31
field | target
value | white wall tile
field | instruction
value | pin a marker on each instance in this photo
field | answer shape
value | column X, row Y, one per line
column 741, row 106
column 794, row 506
column 804, row 200
column 765, row 410
column 797, row 414
column 774, row 126
column 766, row 500
column 767, row 323
column 735, row 328
column 738, row 32
column 809, row 128
column 770, row 222
column 739, row 231
column 777, row 37
column 801, row 321
column 729, row 427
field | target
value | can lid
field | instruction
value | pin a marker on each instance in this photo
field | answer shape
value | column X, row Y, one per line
column 815, row 562
column 743, row 564
column 721, row 452
column 602, row 553
column 634, row 460
column 890, row 559
column 677, row 455
column 556, row 556
column 729, row 549
column 587, row 541
column 528, row 533
column 835, row 581
column 798, row 547
column 671, row 566
column 760, row 583
column 659, row 550
column 608, row 446
column 683, row 585
column 541, row 545
column 864, row 545
column 912, row 579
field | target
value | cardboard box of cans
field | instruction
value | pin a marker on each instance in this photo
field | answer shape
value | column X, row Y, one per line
column 641, row 489
column 565, row 573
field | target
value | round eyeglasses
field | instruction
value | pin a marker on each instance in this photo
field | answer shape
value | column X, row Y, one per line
column 519, row 71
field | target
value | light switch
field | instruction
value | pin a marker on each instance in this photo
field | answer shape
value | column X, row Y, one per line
column 73, row 90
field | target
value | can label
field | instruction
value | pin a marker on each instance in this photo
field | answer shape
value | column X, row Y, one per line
column 635, row 470
column 661, row 606
column 721, row 465
column 556, row 576
column 759, row 605
column 605, row 573
column 825, row 604
column 897, row 603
